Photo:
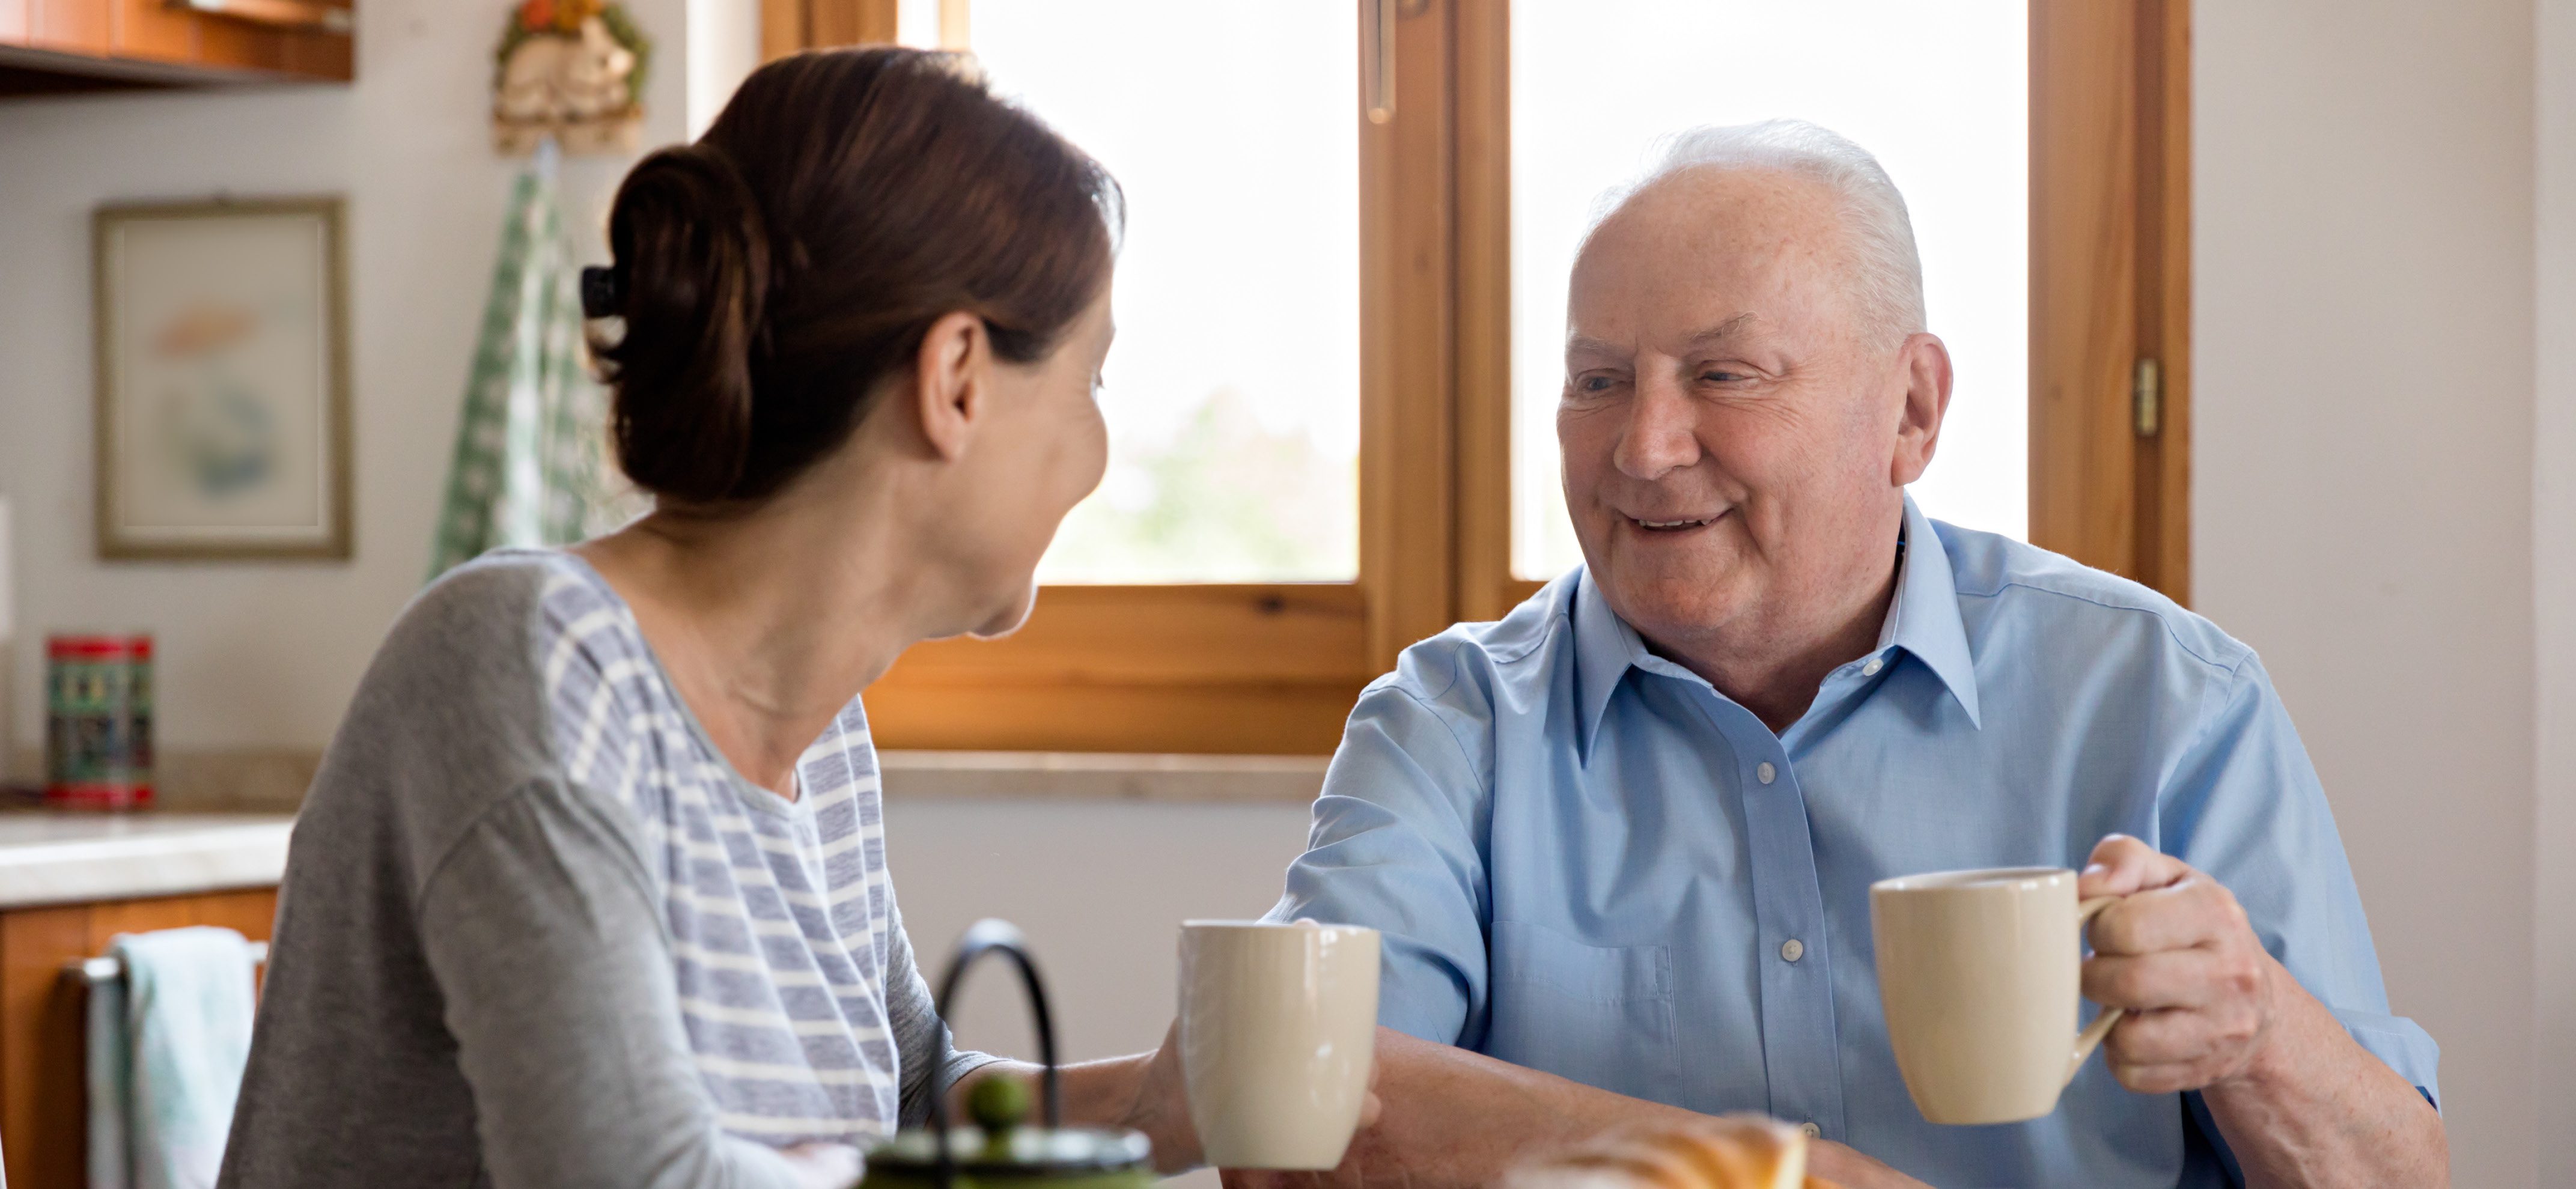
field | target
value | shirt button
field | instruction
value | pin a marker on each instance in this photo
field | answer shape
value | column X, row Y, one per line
column 1792, row 950
column 1810, row 1130
column 1764, row 772
column 1871, row 670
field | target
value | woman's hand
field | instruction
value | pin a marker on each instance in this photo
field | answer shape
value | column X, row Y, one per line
column 1161, row 1107
column 825, row 1166
column 1830, row 1161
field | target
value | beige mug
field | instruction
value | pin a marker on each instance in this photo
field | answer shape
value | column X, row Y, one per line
column 1979, row 974
column 1278, row 1030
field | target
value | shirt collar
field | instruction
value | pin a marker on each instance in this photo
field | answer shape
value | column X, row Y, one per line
column 1922, row 618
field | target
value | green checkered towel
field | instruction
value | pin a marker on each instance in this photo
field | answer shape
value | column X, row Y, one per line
column 531, row 453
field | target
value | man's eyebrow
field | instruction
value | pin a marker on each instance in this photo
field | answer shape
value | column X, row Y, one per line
column 1723, row 330
column 1584, row 344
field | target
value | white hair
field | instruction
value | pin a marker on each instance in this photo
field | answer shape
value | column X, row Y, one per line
column 1890, row 284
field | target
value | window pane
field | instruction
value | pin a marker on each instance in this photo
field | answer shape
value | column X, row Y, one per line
column 1939, row 91
column 1233, row 391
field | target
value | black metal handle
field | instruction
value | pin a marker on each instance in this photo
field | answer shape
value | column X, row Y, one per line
column 990, row 935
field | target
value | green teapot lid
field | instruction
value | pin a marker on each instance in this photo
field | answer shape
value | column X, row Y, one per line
column 998, row 1145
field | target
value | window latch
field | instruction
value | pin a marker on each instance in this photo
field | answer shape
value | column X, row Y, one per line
column 2146, row 398
column 1377, row 73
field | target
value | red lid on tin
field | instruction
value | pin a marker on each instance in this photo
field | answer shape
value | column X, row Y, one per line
column 98, row 648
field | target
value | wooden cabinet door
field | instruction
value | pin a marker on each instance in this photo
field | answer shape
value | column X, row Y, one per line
column 44, row 1116
column 153, row 31
column 72, row 26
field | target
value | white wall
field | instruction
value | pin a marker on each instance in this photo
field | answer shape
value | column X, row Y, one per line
column 2554, row 588
column 265, row 655
column 2363, row 476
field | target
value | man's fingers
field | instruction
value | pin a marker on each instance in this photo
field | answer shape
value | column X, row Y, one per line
column 2121, row 865
column 2215, row 1035
column 2172, row 1078
column 1370, row 1109
column 2151, row 982
column 2194, row 912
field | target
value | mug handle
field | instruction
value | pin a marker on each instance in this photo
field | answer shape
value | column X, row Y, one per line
column 2091, row 1037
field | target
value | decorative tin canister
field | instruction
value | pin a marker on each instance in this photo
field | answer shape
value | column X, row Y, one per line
column 98, row 738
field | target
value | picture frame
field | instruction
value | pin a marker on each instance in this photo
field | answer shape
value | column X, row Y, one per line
column 222, row 336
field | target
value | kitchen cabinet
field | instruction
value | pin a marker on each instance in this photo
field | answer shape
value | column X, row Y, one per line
column 49, row 46
column 44, row 1125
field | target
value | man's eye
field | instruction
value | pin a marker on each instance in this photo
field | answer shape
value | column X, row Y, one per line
column 1714, row 376
column 1594, row 384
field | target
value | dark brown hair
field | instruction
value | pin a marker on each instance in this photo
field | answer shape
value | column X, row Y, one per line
column 772, row 274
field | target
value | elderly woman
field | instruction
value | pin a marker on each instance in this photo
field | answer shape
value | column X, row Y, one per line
column 591, row 888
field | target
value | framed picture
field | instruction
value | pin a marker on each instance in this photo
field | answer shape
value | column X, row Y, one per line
column 223, row 380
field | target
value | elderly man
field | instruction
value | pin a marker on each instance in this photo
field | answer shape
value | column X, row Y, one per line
column 1622, row 839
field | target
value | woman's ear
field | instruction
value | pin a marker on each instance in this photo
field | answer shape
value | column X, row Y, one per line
column 952, row 382
column 1926, row 374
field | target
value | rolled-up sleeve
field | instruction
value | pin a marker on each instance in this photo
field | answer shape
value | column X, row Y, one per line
column 1396, row 847
column 2245, row 805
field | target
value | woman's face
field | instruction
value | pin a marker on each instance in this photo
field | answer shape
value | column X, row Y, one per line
column 1044, row 450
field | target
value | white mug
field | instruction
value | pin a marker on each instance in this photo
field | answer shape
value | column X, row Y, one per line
column 1278, row 1028
column 1978, row 972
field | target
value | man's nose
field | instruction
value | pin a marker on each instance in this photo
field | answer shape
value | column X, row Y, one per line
column 1660, row 435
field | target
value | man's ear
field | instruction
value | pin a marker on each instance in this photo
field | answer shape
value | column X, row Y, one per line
column 952, row 382
column 1925, row 370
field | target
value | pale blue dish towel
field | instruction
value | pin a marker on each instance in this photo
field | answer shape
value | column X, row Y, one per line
column 167, row 1044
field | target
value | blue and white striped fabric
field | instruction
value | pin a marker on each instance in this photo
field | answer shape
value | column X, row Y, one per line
column 778, row 911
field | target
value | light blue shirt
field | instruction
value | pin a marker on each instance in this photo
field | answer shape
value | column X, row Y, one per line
column 1586, row 860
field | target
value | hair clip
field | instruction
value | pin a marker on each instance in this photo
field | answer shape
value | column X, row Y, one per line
column 603, row 292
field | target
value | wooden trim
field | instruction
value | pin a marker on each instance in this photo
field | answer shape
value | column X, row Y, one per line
column 1242, row 668
column 2164, row 304
column 2110, row 283
column 787, row 26
column 1486, row 588
column 1408, row 458
column 782, row 28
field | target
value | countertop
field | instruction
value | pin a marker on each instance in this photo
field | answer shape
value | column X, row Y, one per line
column 72, row 857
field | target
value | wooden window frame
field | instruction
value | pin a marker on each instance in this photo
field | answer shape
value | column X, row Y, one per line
column 1273, row 668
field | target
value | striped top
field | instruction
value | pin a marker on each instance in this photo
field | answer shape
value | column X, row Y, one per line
column 778, row 910
column 535, row 930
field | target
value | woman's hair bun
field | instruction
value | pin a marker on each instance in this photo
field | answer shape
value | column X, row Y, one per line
column 693, row 262
column 774, row 275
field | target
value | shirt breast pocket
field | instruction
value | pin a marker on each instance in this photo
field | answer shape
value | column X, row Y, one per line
column 1601, row 1015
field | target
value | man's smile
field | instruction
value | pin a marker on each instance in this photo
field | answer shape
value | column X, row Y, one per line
column 1674, row 524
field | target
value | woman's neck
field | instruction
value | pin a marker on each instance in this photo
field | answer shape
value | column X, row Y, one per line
column 768, row 621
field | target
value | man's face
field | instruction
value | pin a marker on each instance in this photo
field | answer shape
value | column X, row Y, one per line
column 1732, row 424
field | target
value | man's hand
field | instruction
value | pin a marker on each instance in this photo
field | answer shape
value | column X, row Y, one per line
column 2297, row 1099
column 2180, row 955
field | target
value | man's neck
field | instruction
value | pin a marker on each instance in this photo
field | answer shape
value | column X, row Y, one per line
column 1775, row 671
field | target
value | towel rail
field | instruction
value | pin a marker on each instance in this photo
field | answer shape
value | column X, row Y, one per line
column 106, row 969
